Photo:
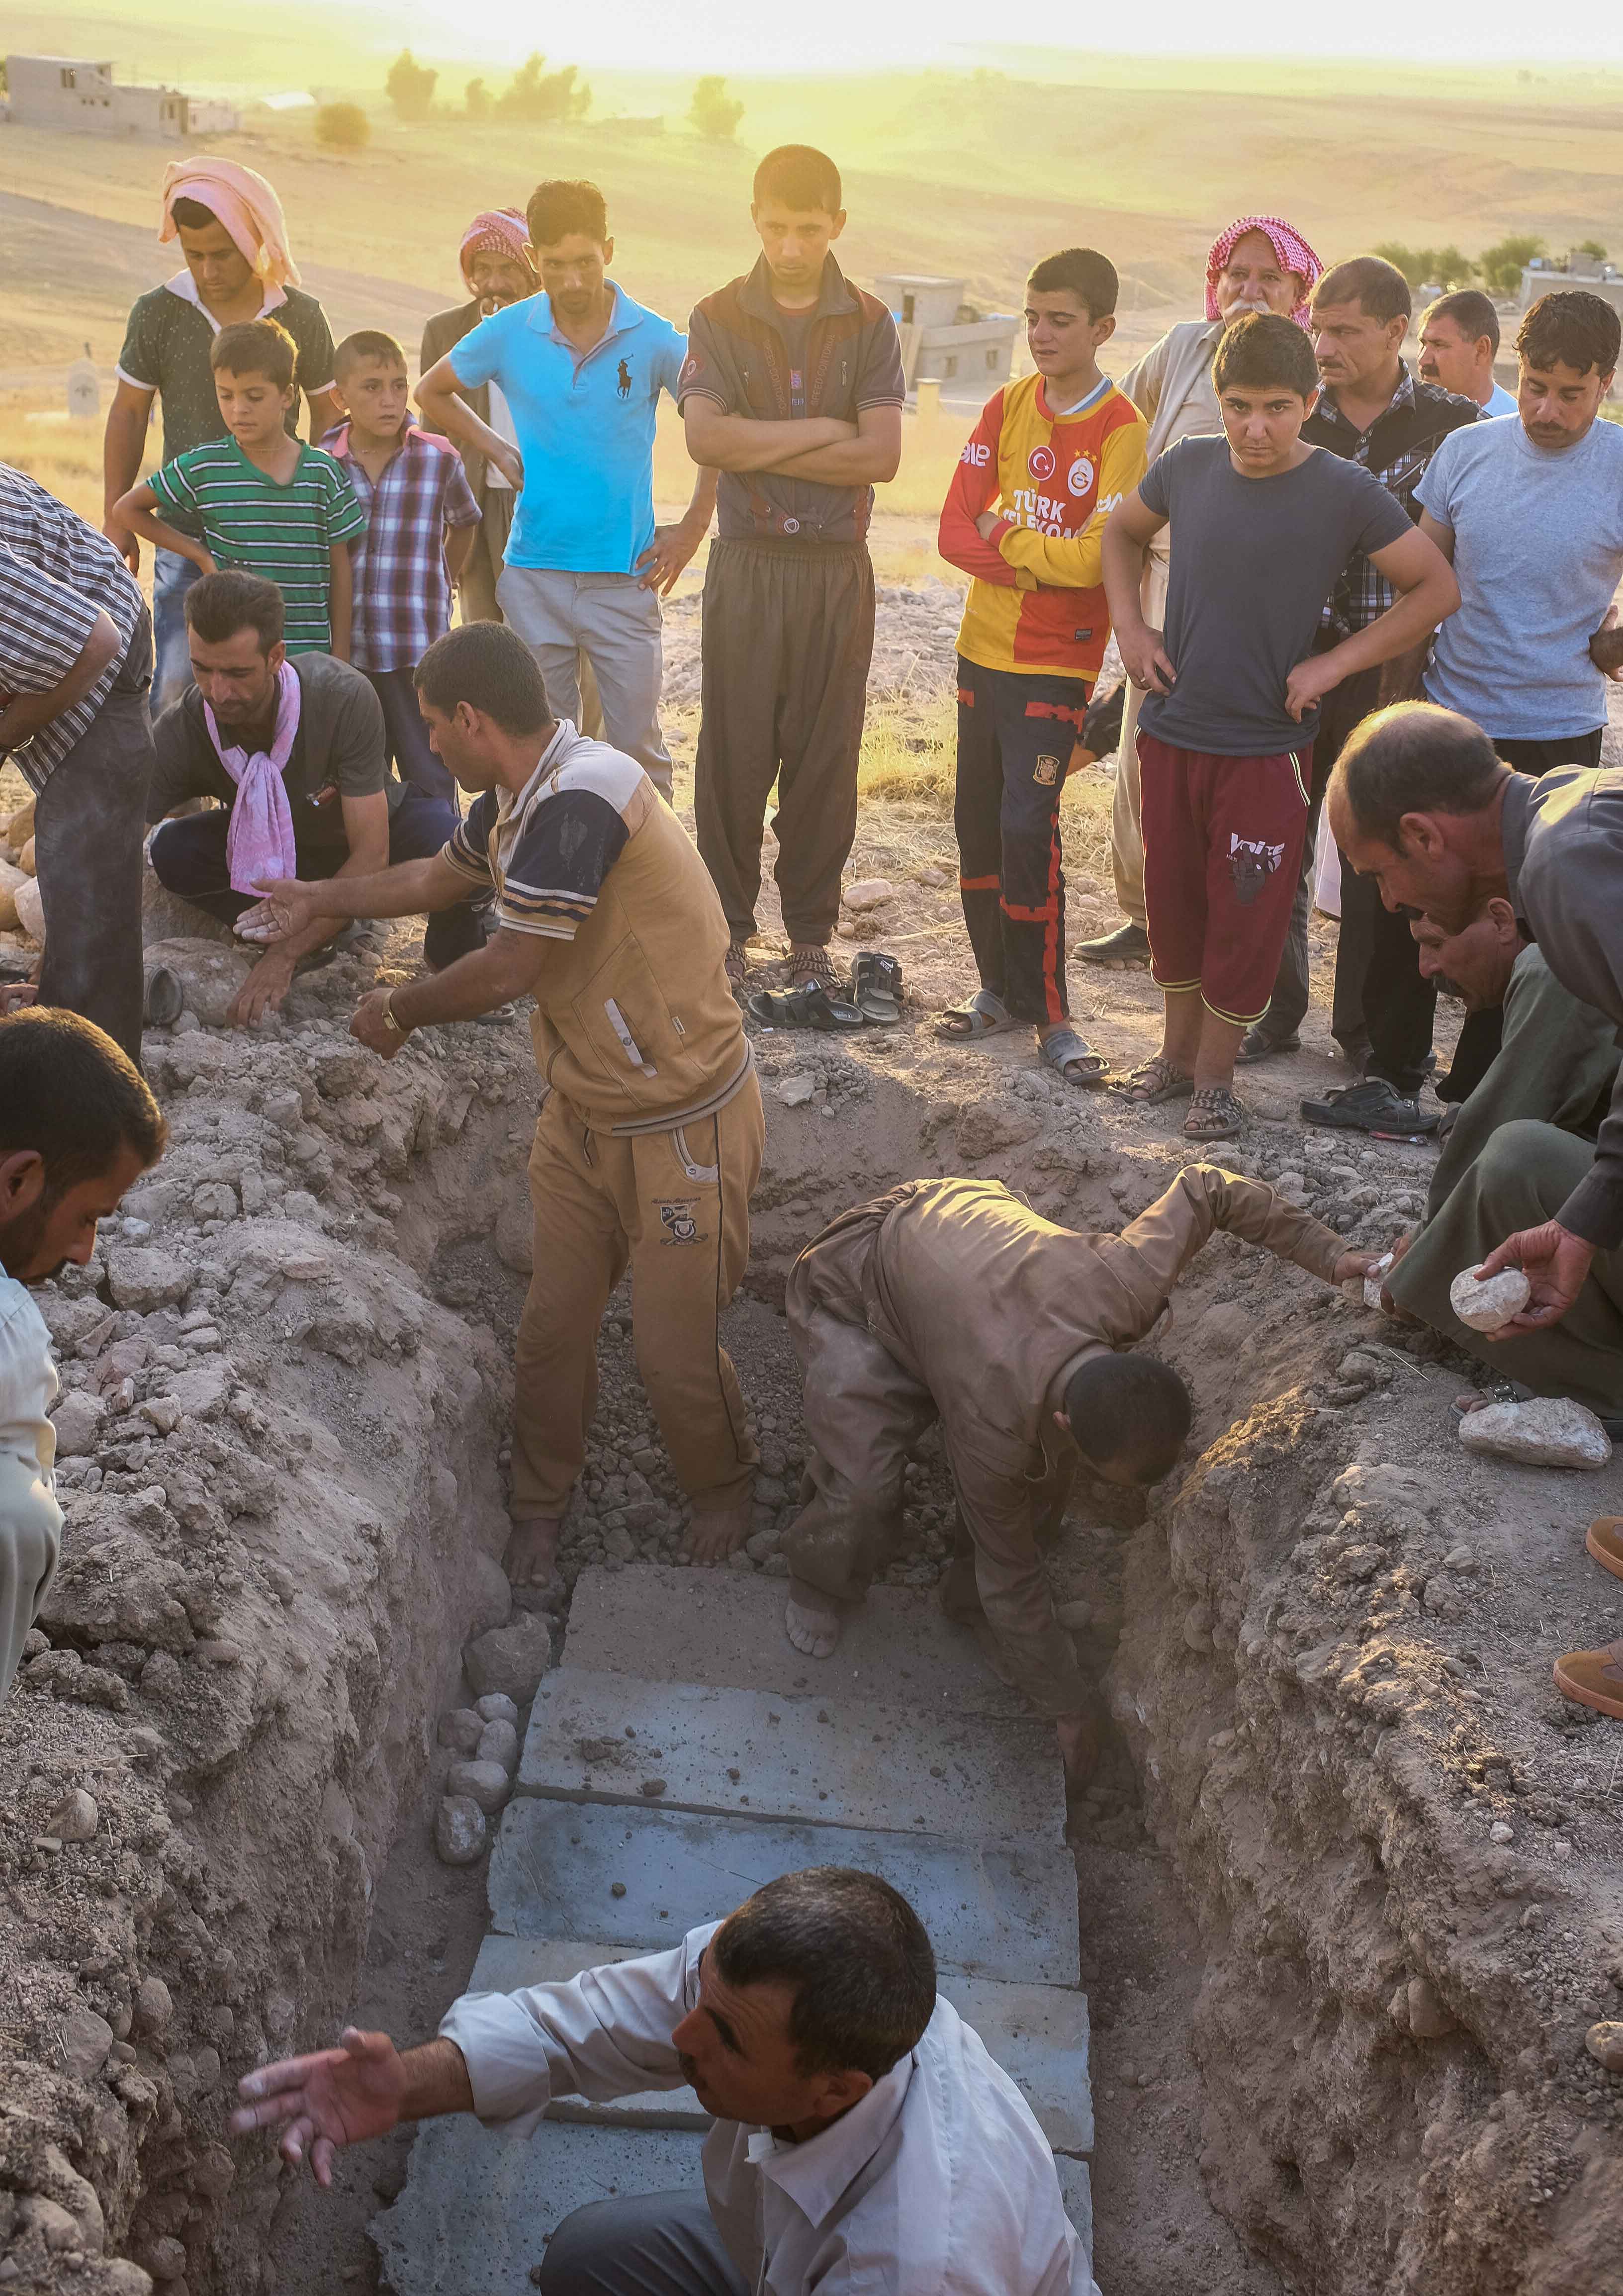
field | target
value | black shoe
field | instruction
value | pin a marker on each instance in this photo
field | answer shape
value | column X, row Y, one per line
column 1257, row 1045
column 1128, row 944
column 1373, row 1106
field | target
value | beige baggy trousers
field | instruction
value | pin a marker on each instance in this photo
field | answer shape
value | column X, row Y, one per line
column 675, row 1205
column 1127, row 829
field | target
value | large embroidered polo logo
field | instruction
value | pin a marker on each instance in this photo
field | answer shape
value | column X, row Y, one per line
column 1252, row 865
column 623, row 382
column 679, row 1223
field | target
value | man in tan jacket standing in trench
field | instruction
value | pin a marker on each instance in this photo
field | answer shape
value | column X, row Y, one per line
column 650, row 1137
column 950, row 1300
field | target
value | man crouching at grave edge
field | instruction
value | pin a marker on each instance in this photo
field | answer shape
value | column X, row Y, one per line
column 951, row 1299
column 649, row 1138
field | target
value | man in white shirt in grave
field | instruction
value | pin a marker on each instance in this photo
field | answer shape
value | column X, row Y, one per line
column 863, row 2138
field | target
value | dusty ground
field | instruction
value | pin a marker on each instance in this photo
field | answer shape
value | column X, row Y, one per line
column 1327, row 1646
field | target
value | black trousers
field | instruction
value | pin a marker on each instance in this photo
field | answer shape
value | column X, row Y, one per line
column 640, row 2244
column 1015, row 735
column 88, row 823
column 1380, row 1001
column 1484, row 1032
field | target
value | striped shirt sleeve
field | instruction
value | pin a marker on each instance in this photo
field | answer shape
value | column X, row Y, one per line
column 467, row 849
column 558, row 866
column 172, row 490
column 344, row 515
column 43, row 627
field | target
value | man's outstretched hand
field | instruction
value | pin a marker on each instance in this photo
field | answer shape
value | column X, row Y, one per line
column 1556, row 1263
column 337, row 2097
column 286, row 906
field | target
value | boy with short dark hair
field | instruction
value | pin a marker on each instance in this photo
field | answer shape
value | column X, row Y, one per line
column 793, row 390
column 262, row 498
column 1049, row 460
column 1265, row 524
column 421, row 522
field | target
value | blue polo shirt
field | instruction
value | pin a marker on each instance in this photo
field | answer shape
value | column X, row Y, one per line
column 584, row 428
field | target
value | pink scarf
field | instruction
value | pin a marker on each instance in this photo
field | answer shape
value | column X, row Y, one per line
column 1291, row 251
column 243, row 201
column 259, row 841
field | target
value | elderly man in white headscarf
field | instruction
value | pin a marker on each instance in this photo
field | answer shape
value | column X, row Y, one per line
column 1259, row 264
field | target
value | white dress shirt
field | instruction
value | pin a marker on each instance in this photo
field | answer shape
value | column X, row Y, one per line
column 30, row 1520
column 939, row 2183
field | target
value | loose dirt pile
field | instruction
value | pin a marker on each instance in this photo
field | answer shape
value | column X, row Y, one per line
column 1326, row 1647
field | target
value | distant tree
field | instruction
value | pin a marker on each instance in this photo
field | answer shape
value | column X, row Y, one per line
column 410, row 87
column 537, row 95
column 477, row 100
column 342, row 128
column 1591, row 247
column 1429, row 266
column 713, row 111
column 1502, row 264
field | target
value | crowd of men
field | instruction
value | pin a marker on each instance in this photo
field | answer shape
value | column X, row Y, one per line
column 1334, row 584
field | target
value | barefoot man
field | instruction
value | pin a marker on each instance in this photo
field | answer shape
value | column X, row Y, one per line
column 649, row 1138
column 949, row 1299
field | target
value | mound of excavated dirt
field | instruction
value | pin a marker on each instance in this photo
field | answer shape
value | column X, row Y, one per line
column 1326, row 1645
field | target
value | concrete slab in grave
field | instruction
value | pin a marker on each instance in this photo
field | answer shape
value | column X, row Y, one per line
column 727, row 1627
column 478, row 2206
column 1001, row 1910
column 1077, row 2186
column 830, row 1760
column 1037, row 2033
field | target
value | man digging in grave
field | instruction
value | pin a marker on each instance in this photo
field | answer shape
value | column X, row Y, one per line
column 863, row 2139
column 650, row 1137
column 949, row 1299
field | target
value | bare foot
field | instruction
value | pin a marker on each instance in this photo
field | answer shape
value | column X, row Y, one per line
column 811, row 1621
column 715, row 1532
column 532, row 1549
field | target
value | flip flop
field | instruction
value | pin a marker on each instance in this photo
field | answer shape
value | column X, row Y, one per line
column 811, row 1007
column 1072, row 1061
column 876, row 988
column 984, row 1015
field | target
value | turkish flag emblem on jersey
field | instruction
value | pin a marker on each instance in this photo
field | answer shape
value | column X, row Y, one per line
column 1040, row 462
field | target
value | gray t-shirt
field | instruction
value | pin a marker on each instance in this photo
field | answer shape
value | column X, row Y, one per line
column 1254, row 560
column 1538, row 551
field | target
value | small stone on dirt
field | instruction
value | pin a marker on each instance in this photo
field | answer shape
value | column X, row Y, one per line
column 498, row 1743
column 511, row 1659
column 1549, row 1432
column 795, row 1091
column 487, row 1783
column 85, row 2040
column 868, row 893
column 1604, row 2043
column 1488, row 1307
column 152, row 2005
column 74, row 1819
column 77, row 1421
column 461, row 1730
column 1429, row 2020
column 652, row 1787
column 460, row 1832
column 495, row 1706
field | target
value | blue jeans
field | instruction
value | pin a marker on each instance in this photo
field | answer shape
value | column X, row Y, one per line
column 405, row 737
column 172, row 577
column 188, row 857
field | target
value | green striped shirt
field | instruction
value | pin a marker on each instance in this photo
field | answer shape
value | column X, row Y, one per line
column 283, row 532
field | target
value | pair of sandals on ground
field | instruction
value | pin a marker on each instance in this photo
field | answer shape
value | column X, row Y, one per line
column 1214, row 1112
column 874, row 1001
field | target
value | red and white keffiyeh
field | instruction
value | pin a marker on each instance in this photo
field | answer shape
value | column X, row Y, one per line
column 1289, row 246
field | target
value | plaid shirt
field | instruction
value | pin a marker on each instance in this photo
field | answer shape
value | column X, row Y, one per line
column 1396, row 449
column 402, row 586
column 56, row 574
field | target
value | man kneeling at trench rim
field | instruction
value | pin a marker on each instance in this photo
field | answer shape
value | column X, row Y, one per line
column 864, row 2143
column 951, row 1299
column 650, row 1137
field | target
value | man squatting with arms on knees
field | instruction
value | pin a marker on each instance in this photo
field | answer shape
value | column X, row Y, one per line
column 949, row 1299
column 78, row 1126
column 650, row 1137
column 863, row 2139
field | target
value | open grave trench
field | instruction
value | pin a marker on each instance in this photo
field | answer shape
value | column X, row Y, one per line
column 1348, row 1883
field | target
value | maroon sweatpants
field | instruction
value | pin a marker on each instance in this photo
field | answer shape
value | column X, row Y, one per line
column 1223, row 845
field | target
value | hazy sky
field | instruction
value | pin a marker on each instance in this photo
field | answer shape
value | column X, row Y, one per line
column 742, row 35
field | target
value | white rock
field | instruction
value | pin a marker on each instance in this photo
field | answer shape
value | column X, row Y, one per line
column 512, row 1659
column 1488, row 1307
column 498, row 1743
column 460, row 1830
column 795, row 1091
column 484, row 1782
column 1373, row 1279
column 85, row 2040
column 1501, row 1833
column 1549, row 1432
column 78, row 1421
column 141, row 1277
column 868, row 893
column 495, row 1706
column 74, row 1819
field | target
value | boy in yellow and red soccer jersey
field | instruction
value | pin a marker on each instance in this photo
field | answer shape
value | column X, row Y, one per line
column 1045, row 465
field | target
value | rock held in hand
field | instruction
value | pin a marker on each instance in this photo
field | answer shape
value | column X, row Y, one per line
column 1488, row 1307
column 460, row 1832
column 1549, row 1432
column 1374, row 1278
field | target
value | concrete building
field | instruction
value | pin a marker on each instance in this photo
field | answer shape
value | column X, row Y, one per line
column 79, row 93
column 1543, row 276
column 947, row 341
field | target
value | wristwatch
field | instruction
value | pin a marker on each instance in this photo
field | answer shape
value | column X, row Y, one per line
column 389, row 1021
